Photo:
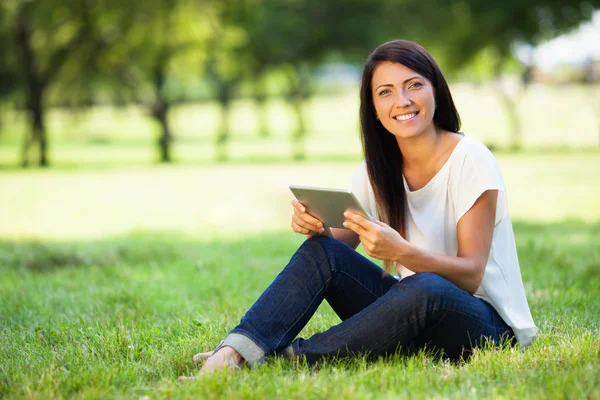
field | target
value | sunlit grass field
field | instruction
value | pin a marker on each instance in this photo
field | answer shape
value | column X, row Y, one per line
column 112, row 278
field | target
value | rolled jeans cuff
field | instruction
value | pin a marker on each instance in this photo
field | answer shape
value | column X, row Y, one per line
column 249, row 350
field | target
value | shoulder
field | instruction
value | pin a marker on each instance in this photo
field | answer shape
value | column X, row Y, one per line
column 473, row 148
column 471, row 153
column 474, row 162
column 476, row 171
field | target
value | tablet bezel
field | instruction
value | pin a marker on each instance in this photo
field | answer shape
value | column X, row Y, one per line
column 328, row 204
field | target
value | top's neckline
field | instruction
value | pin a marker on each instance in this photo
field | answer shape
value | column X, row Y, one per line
column 432, row 181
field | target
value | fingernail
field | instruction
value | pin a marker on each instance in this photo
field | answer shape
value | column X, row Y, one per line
column 321, row 230
column 345, row 214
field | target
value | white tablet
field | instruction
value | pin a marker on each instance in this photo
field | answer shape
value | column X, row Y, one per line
column 328, row 205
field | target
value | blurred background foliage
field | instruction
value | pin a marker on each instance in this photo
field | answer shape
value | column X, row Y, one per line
column 97, row 80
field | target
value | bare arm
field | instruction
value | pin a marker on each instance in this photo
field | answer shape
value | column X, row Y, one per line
column 475, row 231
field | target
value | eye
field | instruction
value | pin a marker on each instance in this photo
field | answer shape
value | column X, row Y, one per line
column 383, row 91
column 415, row 85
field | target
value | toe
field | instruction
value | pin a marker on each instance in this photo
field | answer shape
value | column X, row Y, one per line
column 202, row 356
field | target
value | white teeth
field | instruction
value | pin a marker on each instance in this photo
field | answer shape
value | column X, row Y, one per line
column 405, row 117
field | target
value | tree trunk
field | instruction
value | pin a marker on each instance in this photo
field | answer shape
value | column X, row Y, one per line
column 514, row 121
column 160, row 107
column 165, row 142
column 160, row 111
column 39, row 132
column 298, row 94
column 35, row 93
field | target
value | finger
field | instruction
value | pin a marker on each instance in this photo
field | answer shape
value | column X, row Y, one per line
column 297, row 228
column 306, row 216
column 308, row 221
column 356, row 218
column 299, row 206
column 358, row 229
column 307, row 225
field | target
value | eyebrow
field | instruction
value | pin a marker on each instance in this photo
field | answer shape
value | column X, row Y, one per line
column 389, row 84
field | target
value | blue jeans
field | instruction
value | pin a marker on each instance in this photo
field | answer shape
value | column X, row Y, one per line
column 380, row 314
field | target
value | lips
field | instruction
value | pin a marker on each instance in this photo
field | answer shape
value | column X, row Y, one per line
column 405, row 117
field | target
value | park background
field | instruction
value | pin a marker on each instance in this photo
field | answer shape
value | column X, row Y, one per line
column 146, row 150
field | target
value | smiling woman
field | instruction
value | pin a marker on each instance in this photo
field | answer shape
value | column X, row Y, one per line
column 439, row 215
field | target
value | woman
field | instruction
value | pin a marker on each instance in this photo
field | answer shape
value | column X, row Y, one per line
column 442, row 222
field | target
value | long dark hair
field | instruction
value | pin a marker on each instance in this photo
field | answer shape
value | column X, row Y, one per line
column 382, row 154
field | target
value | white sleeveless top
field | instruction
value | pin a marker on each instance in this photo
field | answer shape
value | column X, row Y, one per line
column 433, row 214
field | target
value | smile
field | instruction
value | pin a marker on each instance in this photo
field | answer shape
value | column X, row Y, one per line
column 405, row 117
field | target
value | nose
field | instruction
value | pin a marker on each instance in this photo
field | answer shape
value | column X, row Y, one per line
column 402, row 101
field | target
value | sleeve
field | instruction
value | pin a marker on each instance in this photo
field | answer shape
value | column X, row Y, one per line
column 479, row 172
column 361, row 187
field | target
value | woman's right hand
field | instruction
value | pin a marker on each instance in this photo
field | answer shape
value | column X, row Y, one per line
column 304, row 223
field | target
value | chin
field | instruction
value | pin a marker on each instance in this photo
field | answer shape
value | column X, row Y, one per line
column 407, row 133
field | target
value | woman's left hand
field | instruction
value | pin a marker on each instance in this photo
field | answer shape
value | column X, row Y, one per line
column 378, row 239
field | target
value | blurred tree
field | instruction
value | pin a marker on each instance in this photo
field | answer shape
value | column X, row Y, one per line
column 42, row 36
column 9, row 76
column 472, row 27
column 223, row 64
column 295, row 36
column 148, row 41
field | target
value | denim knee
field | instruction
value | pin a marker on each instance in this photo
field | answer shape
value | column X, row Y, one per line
column 325, row 242
column 327, row 250
column 327, row 245
column 431, row 286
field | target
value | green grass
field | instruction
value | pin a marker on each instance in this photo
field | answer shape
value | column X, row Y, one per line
column 111, row 279
column 122, row 317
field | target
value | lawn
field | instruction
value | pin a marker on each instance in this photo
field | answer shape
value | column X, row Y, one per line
column 111, row 279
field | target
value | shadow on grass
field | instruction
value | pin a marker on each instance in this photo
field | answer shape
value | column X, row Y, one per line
column 556, row 251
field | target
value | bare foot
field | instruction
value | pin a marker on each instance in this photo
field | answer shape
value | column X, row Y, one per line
column 226, row 357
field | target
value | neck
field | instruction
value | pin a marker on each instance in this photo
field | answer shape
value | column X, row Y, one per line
column 416, row 151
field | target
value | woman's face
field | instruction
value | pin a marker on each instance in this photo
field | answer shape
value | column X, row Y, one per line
column 404, row 100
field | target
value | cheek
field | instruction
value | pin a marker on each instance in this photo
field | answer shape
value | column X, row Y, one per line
column 383, row 106
column 379, row 106
column 427, row 101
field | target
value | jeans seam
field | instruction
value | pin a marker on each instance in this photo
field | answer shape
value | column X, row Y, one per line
column 319, row 261
column 495, row 328
column 476, row 319
column 302, row 315
column 390, row 339
column 357, row 281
